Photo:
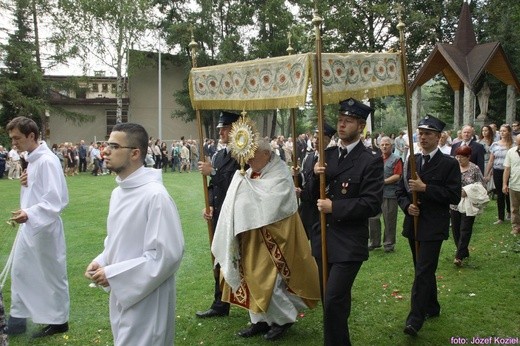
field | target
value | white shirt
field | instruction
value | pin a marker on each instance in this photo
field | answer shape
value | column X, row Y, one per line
column 13, row 155
column 445, row 149
column 512, row 160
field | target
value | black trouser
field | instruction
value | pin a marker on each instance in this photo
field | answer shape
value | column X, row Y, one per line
column 424, row 290
column 462, row 229
column 218, row 304
column 502, row 200
column 158, row 162
column 337, row 300
column 82, row 164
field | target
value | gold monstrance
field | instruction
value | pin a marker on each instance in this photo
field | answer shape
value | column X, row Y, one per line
column 243, row 140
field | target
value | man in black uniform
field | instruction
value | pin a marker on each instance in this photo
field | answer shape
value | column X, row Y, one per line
column 354, row 178
column 221, row 170
column 308, row 211
column 438, row 185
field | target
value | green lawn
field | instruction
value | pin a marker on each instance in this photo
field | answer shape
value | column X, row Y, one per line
column 481, row 299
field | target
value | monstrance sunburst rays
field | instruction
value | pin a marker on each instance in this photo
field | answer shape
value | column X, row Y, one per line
column 243, row 140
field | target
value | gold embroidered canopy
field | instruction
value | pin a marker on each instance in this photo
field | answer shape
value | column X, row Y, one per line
column 283, row 82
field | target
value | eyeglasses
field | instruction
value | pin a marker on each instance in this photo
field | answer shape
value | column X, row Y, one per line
column 115, row 146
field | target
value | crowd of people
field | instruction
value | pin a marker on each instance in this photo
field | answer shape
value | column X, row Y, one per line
column 182, row 156
column 268, row 254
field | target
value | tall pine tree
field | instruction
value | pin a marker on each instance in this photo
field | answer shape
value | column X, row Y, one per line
column 22, row 85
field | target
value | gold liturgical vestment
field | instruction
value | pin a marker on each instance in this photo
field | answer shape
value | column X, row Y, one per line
column 281, row 247
column 276, row 248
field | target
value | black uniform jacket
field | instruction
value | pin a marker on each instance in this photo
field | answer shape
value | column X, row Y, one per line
column 225, row 166
column 443, row 187
column 309, row 212
column 355, row 187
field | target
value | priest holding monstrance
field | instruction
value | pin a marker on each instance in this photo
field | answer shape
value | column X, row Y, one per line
column 261, row 245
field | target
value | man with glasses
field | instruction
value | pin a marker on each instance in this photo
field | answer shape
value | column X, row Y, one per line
column 143, row 248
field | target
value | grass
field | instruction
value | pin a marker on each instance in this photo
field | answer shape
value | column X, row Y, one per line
column 479, row 299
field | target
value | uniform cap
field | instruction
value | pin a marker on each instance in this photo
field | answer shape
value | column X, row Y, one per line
column 429, row 122
column 227, row 118
column 354, row 108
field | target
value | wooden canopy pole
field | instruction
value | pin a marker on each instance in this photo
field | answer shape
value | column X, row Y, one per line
column 316, row 21
column 411, row 157
column 295, row 163
column 193, row 47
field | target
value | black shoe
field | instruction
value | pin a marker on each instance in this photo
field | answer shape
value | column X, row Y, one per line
column 15, row 326
column 254, row 329
column 276, row 331
column 51, row 329
column 410, row 330
column 211, row 313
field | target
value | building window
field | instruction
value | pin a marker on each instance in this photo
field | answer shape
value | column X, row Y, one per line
column 114, row 88
column 95, row 87
column 111, row 119
column 104, row 88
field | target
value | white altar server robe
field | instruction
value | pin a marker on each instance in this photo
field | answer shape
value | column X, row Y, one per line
column 143, row 251
column 39, row 286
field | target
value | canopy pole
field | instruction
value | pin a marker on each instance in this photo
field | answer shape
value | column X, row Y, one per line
column 193, row 47
column 295, row 163
column 316, row 21
column 411, row 157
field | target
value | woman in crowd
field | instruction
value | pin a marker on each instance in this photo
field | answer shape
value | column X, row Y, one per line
column 401, row 148
column 157, row 154
column 487, row 137
column 71, row 159
column 495, row 170
column 164, row 157
column 288, row 148
column 462, row 220
column 149, row 160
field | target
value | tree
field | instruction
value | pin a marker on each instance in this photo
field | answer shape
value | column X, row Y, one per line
column 236, row 30
column 215, row 26
column 23, row 88
column 22, row 80
column 106, row 30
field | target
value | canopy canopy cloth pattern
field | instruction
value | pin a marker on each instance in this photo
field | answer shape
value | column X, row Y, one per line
column 283, row 82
